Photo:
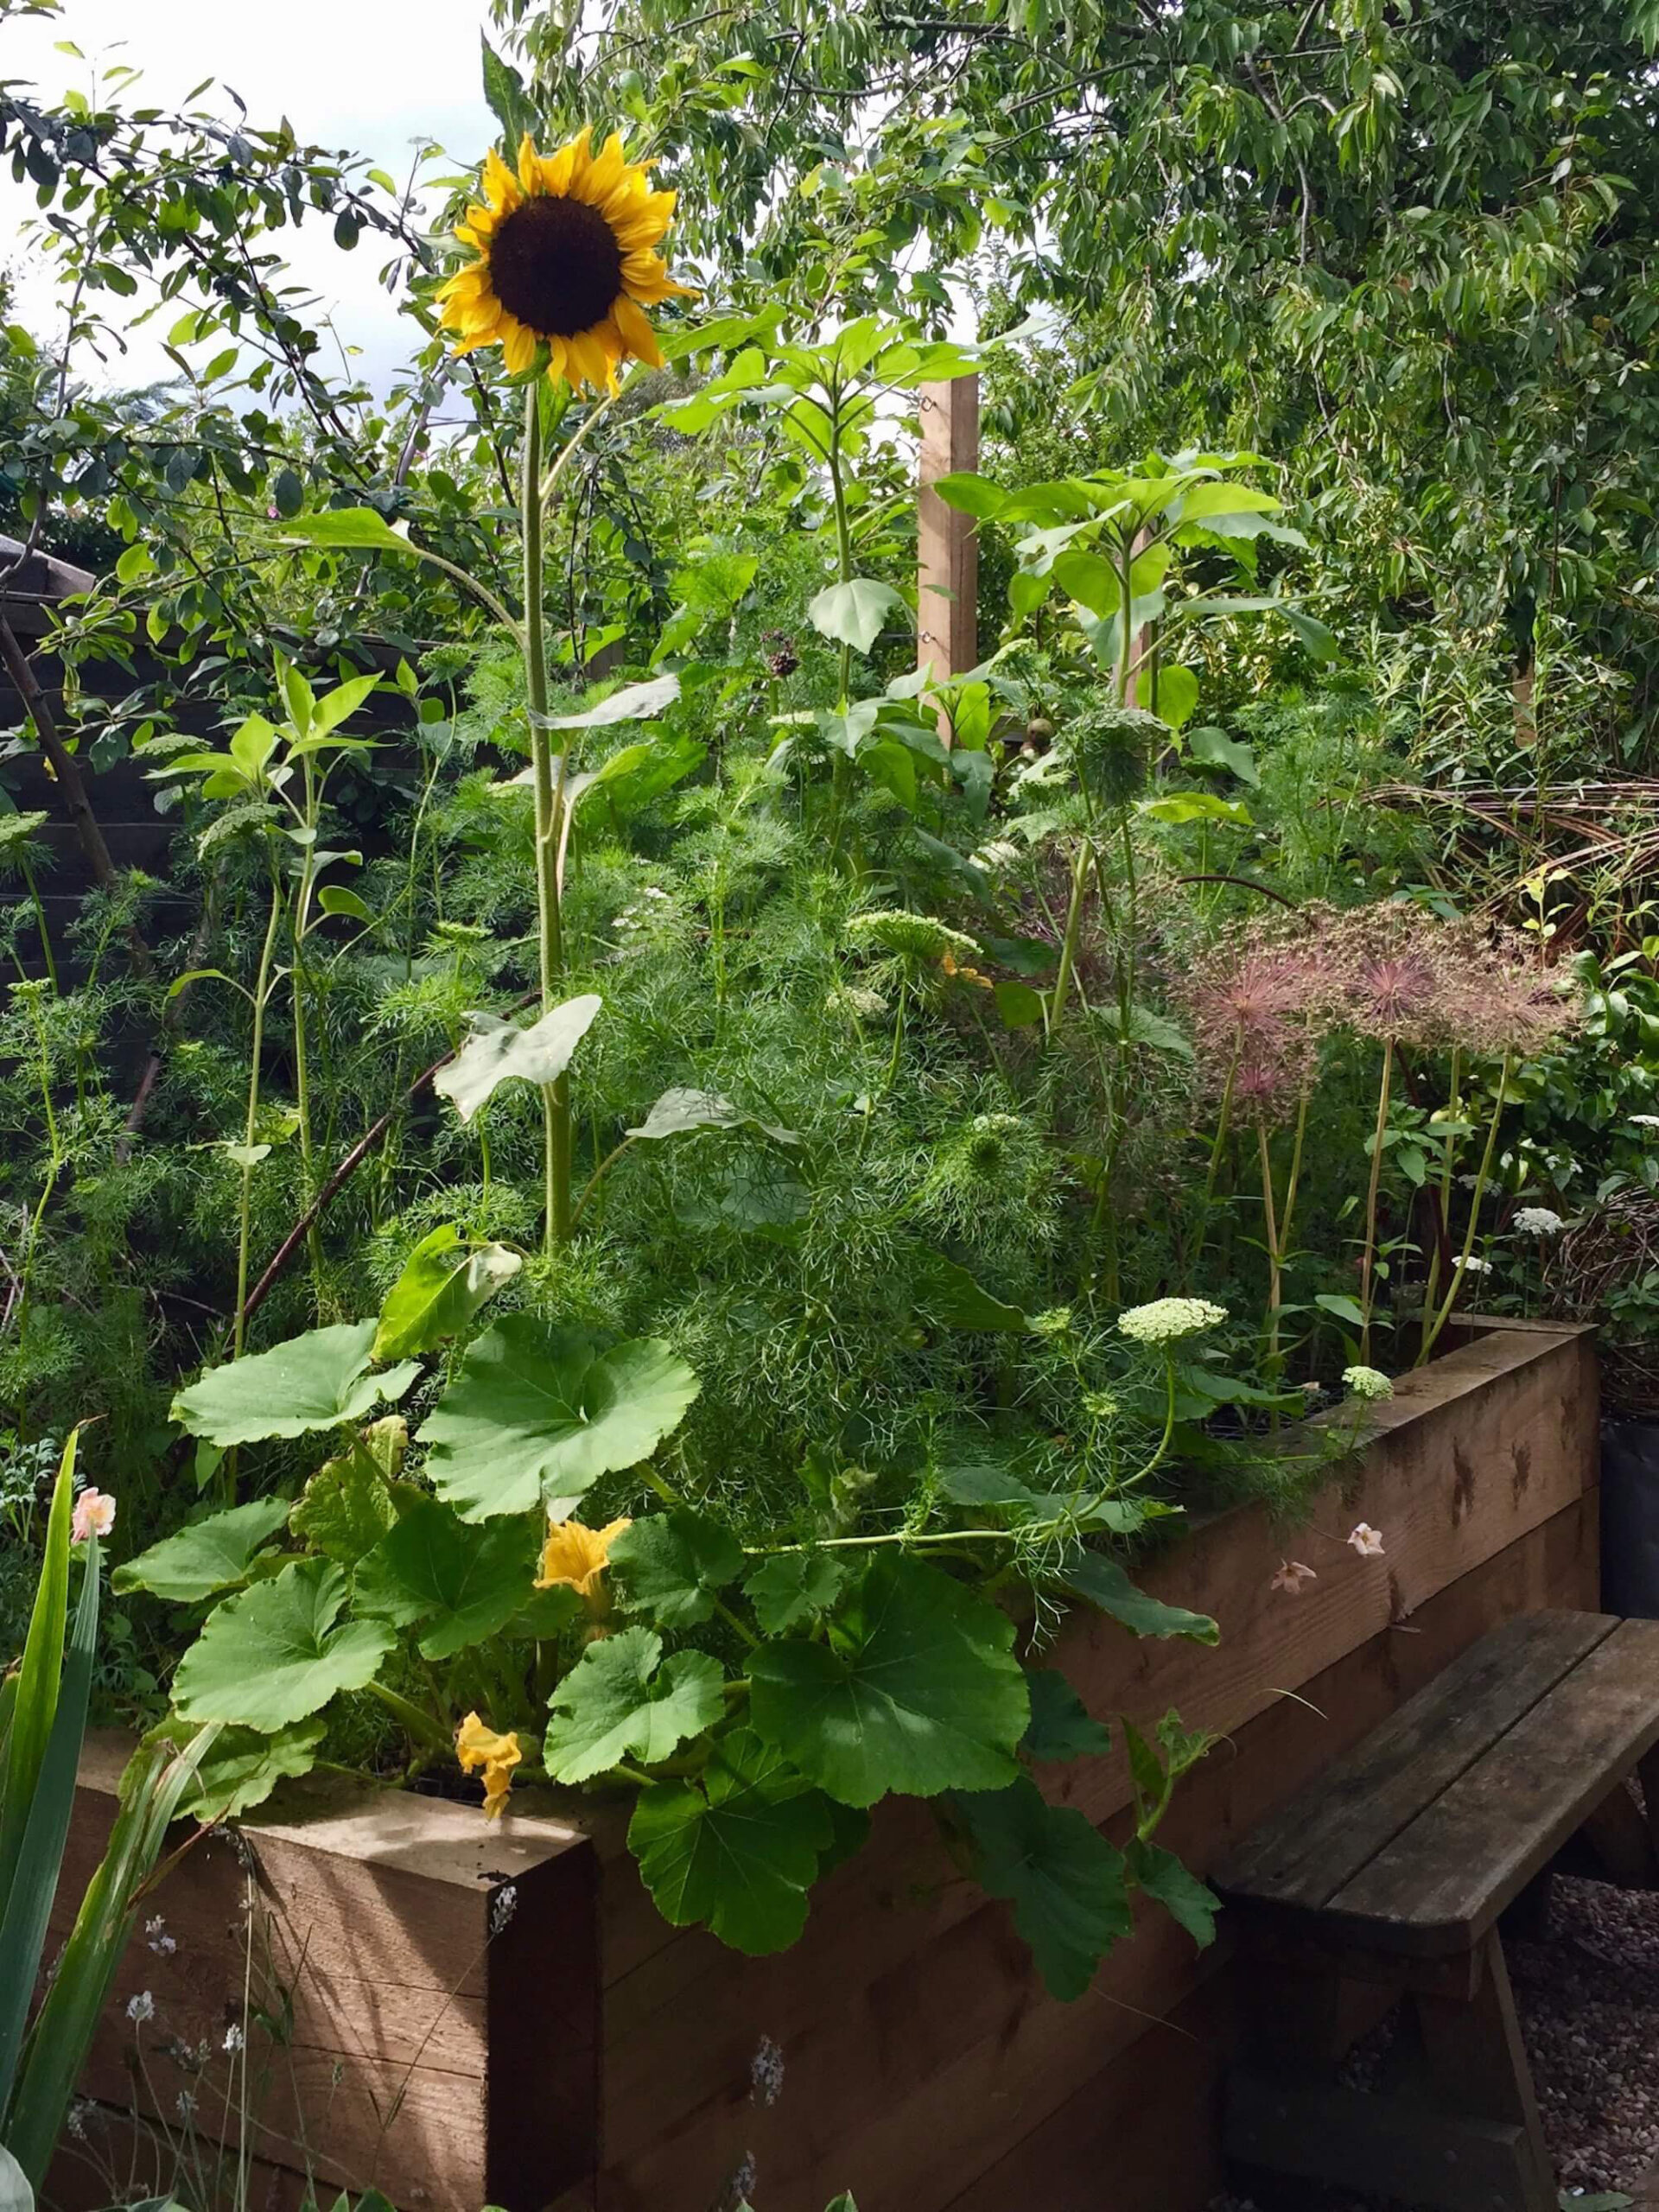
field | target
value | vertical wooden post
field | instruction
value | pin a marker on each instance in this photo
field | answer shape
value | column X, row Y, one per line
column 947, row 582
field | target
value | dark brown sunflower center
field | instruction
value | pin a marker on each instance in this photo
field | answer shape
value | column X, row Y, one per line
column 554, row 262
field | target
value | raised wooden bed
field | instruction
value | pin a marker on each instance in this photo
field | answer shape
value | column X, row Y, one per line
column 590, row 2057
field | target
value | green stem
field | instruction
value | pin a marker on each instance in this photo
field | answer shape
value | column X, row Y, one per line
column 1368, row 1258
column 244, row 1211
column 1223, row 1124
column 40, row 923
column 1461, row 1269
column 556, row 1096
column 420, row 1725
column 301, row 1059
column 1275, row 1254
column 1080, row 868
column 1454, row 1113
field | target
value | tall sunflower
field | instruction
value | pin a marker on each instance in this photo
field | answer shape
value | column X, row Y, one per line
column 565, row 260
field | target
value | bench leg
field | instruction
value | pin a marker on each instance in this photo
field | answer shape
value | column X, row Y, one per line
column 1477, row 2066
column 1466, row 2137
column 1622, row 1841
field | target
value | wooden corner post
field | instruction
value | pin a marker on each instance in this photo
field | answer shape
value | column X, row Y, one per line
column 947, row 582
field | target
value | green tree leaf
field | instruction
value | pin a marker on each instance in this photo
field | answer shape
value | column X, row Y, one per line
column 955, row 1296
column 1188, row 1901
column 1062, row 1727
column 1213, row 749
column 464, row 1580
column 670, row 1565
column 274, row 1655
column 207, row 1557
column 794, row 1588
column 677, row 1112
column 346, row 529
column 1105, row 1584
column 618, row 1702
column 635, row 702
column 445, row 1280
column 737, row 1849
column 855, row 613
column 498, row 1053
column 316, row 1381
column 917, row 1690
column 1065, row 1882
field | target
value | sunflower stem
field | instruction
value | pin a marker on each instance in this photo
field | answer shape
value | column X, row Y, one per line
column 556, row 1096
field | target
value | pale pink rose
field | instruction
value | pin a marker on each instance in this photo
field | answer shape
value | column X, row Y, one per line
column 1367, row 1541
column 94, row 1515
column 1290, row 1576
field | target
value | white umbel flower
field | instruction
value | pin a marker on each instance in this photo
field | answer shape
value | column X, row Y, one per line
column 1166, row 1320
column 1367, row 1382
column 1537, row 1221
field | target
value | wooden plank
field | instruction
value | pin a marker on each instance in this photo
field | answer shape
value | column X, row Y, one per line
column 917, row 2046
column 1472, row 1451
column 1320, row 1841
column 1440, row 1885
column 1476, row 2063
column 417, row 2052
column 947, row 583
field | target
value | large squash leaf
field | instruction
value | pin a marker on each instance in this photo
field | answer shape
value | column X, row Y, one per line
column 463, row 1580
column 670, row 1565
column 536, row 1414
column 735, row 1849
column 445, row 1280
column 917, row 1690
column 274, row 1655
column 621, row 1700
column 210, row 1555
column 316, row 1381
column 1067, row 1885
column 498, row 1053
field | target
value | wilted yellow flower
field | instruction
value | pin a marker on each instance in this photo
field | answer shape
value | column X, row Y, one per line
column 477, row 1745
column 574, row 1558
column 565, row 260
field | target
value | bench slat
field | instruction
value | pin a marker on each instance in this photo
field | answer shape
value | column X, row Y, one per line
column 1312, row 1847
column 1441, row 1882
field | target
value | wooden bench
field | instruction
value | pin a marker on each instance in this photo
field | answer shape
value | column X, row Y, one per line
column 1393, row 1869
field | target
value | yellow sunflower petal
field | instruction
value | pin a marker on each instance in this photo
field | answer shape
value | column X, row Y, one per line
column 605, row 172
column 500, row 184
column 529, row 173
column 556, row 171
column 634, row 326
column 580, row 157
column 558, row 366
column 518, row 345
column 588, row 359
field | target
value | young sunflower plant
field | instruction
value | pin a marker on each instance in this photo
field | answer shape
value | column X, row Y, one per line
column 564, row 265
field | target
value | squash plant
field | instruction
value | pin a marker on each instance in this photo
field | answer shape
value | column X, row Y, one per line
column 759, row 1693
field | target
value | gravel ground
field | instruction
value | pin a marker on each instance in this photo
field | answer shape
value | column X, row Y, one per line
column 1588, row 1996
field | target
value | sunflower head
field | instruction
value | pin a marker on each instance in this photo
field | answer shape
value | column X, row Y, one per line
column 566, row 259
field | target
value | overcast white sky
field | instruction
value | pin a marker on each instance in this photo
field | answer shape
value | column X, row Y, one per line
column 372, row 75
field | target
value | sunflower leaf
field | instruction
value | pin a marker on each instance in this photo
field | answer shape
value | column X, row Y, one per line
column 855, row 613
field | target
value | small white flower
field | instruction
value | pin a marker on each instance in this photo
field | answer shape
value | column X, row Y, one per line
column 1366, row 1540
column 1290, row 1576
column 1369, row 1382
column 75, row 2118
column 1166, row 1320
column 140, row 2007
column 186, row 2104
column 157, row 1937
column 1477, row 1267
column 234, row 2038
column 1537, row 1221
column 1644, row 1120
column 502, row 1905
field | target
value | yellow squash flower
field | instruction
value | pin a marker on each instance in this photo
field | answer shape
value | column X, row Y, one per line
column 574, row 1558
column 566, row 259
column 477, row 1745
